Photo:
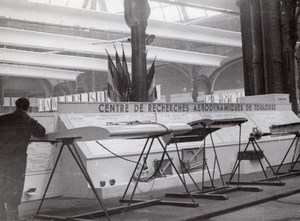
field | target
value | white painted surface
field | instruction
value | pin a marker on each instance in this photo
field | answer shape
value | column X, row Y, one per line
column 64, row 16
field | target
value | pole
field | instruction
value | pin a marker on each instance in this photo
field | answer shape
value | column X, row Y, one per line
column 136, row 15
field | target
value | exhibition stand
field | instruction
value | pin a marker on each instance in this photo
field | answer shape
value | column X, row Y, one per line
column 188, row 163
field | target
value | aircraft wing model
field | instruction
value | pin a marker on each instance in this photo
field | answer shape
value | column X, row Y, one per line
column 292, row 128
column 80, row 134
column 139, row 130
column 125, row 130
column 175, row 132
column 201, row 128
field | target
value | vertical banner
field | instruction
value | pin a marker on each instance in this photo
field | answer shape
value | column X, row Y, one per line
column 54, row 103
column 62, row 99
column 7, row 102
column 33, row 102
column 69, row 98
column 100, row 96
column 84, row 97
column 76, row 98
column 13, row 101
column 41, row 106
column 47, row 104
column 92, row 97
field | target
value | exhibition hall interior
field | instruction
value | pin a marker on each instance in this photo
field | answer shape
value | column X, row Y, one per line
column 153, row 109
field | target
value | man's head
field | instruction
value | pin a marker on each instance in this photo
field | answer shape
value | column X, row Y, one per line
column 22, row 104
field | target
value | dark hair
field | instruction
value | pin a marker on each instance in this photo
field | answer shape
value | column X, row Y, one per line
column 22, row 104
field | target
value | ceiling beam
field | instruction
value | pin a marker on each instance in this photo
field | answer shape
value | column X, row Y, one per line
column 64, row 43
column 89, row 19
column 51, row 60
column 37, row 72
column 199, row 6
column 230, row 5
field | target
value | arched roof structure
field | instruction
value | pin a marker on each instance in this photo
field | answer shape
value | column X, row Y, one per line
column 58, row 40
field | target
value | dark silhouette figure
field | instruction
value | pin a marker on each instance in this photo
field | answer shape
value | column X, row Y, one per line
column 16, row 130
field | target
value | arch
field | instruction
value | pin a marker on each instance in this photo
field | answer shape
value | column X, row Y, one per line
column 23, row 86
column 173, row 79
column 61, row 89
column 235, row 65
column 176, row 66
column 46, row 86
column 204, row 81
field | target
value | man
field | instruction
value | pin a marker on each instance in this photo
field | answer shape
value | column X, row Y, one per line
column 15, row 131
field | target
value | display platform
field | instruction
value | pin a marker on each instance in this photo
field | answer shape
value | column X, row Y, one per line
column 109, row 170
column 40, row 161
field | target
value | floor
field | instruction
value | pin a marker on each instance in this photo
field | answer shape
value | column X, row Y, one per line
column 283, row 209
column 278, row 203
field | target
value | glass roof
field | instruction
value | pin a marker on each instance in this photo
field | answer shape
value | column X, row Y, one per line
column 170, row 12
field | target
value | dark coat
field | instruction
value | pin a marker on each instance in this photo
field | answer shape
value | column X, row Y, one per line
column 16, row 130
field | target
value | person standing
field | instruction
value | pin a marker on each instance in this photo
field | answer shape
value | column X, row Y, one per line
column 16, row 130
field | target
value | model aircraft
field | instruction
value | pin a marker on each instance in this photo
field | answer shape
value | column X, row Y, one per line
column 79, row 134
column 172, row 132
column 291, row 128
column 201, row 128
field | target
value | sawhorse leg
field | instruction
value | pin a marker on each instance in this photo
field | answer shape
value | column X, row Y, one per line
column 205, row 194
column 70, row 144
column 160, row 202
column 259, row 182
column 50, row 179
column 140, row 173
column 296, row 138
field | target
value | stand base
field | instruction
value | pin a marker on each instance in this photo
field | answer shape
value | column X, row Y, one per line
column 161, row 202
column 135, row 204
column 288, row 173
column 257, row 183
column 242, row 188
column 294, row 171
column 49, row 217
column 199, row 195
